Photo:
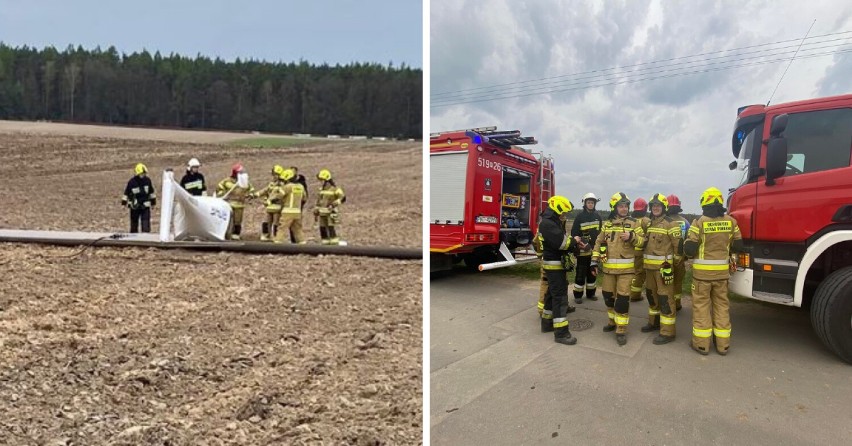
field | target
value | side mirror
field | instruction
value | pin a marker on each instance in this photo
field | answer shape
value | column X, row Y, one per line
column 779, row 124
column 776, row 159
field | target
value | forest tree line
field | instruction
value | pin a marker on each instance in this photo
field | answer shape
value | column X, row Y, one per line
column 97, row 86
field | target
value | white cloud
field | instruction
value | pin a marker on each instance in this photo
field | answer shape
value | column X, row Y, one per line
column 668, row 135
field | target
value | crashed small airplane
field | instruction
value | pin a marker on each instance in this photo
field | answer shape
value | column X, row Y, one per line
column 194, row 218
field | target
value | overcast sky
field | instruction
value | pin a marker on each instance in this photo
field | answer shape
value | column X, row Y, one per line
column 669, row 135
column 333, row 31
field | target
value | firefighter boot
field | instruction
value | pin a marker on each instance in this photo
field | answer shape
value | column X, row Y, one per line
column 563, row 336
column 264, row 231
column 720, row 349
column 273, row 233
column 323, row 235
column 546, row 325
column 236, row 234
column 578, row 293
column 567, row 340
column 332, row 235
column 661, row 339
column 701, row 350
column 590, row 292
column 649, row 327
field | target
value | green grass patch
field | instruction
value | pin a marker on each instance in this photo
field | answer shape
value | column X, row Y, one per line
column 524, row 270
column 274, row 142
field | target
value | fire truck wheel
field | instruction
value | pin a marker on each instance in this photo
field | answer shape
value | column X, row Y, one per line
column 831, row 313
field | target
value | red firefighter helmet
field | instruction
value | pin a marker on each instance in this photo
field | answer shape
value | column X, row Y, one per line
column 640, row 205
column 236, row 169
column 673, row 200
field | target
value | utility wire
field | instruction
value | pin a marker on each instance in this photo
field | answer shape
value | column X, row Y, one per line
column 788, row 65
column 639, row 64
column 589, row 85
column 648, row 70
column 551, row 88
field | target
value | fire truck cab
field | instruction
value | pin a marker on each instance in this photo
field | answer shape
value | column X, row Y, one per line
column 793, row 204
column 486, row 193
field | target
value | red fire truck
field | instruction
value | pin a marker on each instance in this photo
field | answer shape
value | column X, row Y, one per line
column 486, row 194
column 793, row 204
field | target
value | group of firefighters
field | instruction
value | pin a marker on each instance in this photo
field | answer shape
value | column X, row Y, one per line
column 635, row 252
column 284, row 201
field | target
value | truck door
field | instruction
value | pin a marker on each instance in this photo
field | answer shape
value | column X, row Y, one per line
column 448, row 181
column 817, row 181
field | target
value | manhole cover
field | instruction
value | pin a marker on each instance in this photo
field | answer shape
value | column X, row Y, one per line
column 580, row 324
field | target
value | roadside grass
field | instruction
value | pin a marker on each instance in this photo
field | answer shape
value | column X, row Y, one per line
column 274, row 142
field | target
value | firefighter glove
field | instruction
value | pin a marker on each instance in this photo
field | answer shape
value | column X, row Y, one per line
column 667, row 273
column 567, row 262
column 593, row 267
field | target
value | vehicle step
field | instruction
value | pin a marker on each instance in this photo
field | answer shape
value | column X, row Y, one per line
column 773, row 297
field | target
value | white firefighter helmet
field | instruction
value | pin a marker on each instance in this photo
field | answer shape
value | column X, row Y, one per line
column 591, row 196
column 194, row 163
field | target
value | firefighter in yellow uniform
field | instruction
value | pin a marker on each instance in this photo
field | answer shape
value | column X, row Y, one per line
column 273, row 204
column 679, row 264
column 236, row 196
column 709, row 243
column 538, row 247
column 614, row 254
column 557, row 245
column 662, row 243
column 640, row 212
column 293, row 196
column 327, row 210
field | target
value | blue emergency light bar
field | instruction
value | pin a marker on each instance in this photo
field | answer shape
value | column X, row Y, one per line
column 503, row 139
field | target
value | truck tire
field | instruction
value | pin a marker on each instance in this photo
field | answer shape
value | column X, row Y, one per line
column 831, row 313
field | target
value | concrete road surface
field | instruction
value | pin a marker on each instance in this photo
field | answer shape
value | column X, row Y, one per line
column 497, row 380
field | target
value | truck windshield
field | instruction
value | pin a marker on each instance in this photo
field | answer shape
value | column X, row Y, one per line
column 744, row 160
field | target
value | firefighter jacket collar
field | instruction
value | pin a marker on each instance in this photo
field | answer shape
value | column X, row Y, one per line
column 713, row 210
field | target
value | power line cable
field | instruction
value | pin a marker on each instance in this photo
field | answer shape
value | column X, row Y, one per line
column 590, row 84
column 640, row 64
column 648, row 70
column 788, row 65
column 630, row 81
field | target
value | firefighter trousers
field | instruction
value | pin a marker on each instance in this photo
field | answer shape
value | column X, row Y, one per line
column 328, row 228
column 290, row 223
column 616, row 294
column 269, row 229
column 236, row 220
column 556, row 302
column 679, row 271
column 583, row 278
column 142, row 215
column 542, row 291
column 711, row 314
column 638, row 283
column 661, row 303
